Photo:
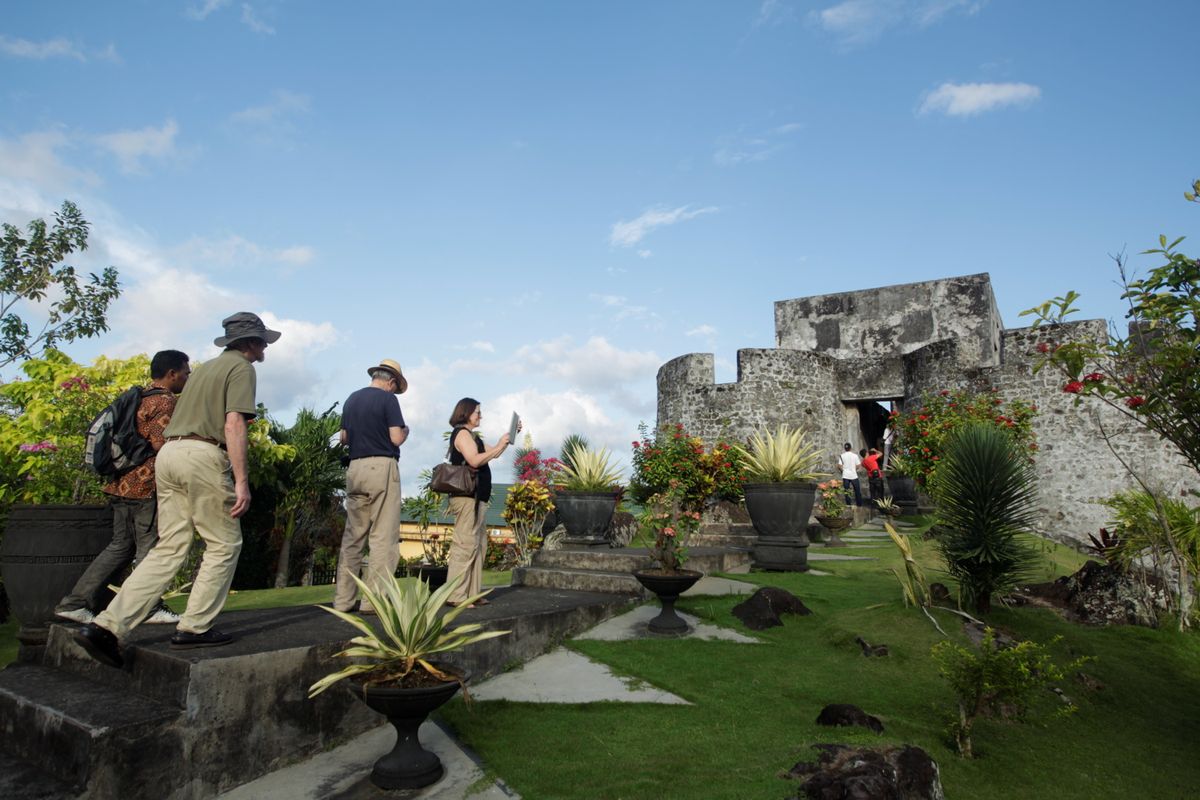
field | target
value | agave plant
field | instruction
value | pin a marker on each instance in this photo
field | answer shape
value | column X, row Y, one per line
column 414, row 630
column 572, row 444
column 985, row 493
column 781, row 456
column 591, row 471
column 900, row 467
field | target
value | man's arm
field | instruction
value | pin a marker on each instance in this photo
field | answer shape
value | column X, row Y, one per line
column 398, row 435
column 236, row 446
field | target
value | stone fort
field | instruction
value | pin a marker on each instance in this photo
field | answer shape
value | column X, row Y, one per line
column 838, row 357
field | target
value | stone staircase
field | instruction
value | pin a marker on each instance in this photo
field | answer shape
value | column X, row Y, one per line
column 185, row 725
column 605, row 569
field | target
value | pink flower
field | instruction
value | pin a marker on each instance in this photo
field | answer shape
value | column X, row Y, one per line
column 1093, row 377
column 1074, row 387
column 668, row 531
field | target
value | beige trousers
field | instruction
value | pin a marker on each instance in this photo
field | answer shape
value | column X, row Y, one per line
column 372, row 520
column 468, row 549
column 195, row 493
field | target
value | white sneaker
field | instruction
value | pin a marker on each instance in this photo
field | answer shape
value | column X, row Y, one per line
column 80, row 615
column 162, row 616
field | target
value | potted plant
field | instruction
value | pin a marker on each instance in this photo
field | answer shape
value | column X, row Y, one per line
column 585, row 496
column 887, row 506
column 901, row 482
column 671, row 523
column 434, row 565
column 393, row 671
column 526, row 507
column 831, row 507
column 780, row 491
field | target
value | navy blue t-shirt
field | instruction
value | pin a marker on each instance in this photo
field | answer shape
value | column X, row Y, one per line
column 366, row 417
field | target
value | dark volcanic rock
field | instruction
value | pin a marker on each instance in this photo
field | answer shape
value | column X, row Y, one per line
column 869, row 650
column 846, row 714
column 864, row 773
column 765, row 606
column 938, row 592
column 1100, row 594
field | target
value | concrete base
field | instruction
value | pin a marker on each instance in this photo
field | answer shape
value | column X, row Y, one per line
column 781, row 553
column 176, row 725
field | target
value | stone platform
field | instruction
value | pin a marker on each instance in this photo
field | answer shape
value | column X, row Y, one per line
column 183, row 725
column 608, row 569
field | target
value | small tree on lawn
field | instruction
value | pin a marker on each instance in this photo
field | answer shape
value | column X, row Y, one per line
column 31, row 270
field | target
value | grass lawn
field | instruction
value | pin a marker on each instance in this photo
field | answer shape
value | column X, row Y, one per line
column 754, row 706
column 241, row 601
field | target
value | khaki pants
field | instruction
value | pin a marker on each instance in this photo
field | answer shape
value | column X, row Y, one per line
column 195, row 492
column 469, row 547
column 373, row 520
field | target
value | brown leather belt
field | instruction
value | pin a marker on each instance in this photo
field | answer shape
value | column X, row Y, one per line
column 194, row 438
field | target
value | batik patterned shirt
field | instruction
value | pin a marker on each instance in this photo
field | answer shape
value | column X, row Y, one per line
column 153, row 414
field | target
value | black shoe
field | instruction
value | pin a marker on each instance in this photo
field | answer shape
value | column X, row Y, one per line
column 100, row 644
column 182, row 640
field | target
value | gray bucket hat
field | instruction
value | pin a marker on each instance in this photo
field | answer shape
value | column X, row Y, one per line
column 244, row 325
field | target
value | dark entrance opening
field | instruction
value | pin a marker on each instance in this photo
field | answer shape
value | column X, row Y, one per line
column 873, row 419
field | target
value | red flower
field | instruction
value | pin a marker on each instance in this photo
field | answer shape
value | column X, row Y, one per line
column 636, row 445
column 1134, row 402
column 1043, row 347
column 1093, row 377
column 1074, row 387
column 945, row 393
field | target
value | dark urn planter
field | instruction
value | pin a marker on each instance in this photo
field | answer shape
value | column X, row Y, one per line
column 833, row 525
column 409, row 765
column 435, row 576
column 668, row 586
column 780, row 514
column 46, row 549
column 585, row 515
column 904, row 492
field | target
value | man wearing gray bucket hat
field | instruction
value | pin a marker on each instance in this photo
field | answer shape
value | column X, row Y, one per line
column 203, row 486
column 373, row 426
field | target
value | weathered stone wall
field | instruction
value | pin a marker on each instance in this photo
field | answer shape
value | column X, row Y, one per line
column 895, row 320
column 899, row 342
column 773, row 386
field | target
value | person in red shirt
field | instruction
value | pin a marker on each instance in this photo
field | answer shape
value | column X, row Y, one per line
column 874, row 475
column 132, row 496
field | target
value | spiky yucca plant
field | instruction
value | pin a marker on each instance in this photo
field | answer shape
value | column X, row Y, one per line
column 573, row 443
column 781, row 456
column 590, row 471
column 414, row 630
column 985, row 492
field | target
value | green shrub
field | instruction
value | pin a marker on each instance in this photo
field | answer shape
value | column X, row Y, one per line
column 698, row 472
column 984, row 493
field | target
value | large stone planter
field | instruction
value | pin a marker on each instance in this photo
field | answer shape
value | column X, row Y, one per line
column 408, row 765
column 904, row 492
column 46, row 549
column 667, row 586
column 780, row 514
column 586, row 516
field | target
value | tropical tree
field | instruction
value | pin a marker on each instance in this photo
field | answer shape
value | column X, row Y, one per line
column 985, row 492
column 31, row 270
column 313, row 480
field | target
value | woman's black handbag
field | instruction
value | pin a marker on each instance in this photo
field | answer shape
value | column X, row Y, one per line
column 456, row 480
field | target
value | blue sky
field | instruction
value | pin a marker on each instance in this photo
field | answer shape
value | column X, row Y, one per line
column 539, row 203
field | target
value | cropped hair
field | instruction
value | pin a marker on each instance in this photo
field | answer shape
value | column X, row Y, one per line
column 166, row 360
column 463, row 411
column 383, row 375
column 848, row 446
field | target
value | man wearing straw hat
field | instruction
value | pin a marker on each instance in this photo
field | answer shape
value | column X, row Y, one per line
column 373, row 426
column 203, row 485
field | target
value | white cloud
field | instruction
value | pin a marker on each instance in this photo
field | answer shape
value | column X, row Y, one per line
column 201, row 12
column 967, row 99
column 252, row 21
column 702, row 330
column 772, row 12
column 284, row 104
column 486, row 347
column 624, row 309
column 40, row 51
column 857, row 22
column 627, row 234
column 549, row 417
column 132, row 147
column 237, row 251
column 596, row 366
column 740, row 148
column 645, row 253
column 33, row 161
column 288, row 379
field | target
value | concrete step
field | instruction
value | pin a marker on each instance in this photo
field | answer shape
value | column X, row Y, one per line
column 727, row 540
column 628, row 559
column 70, row 726
column 582, row 580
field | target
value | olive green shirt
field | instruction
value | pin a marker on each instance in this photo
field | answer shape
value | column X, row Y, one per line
column 225, row 384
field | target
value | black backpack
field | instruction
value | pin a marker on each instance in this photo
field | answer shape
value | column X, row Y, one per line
column 114, row 445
